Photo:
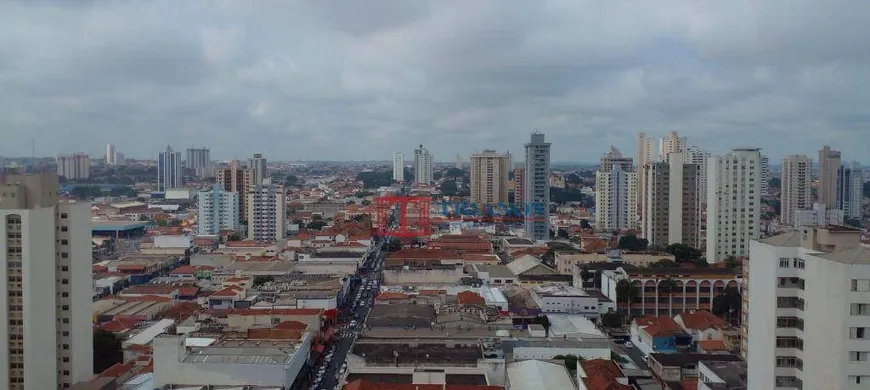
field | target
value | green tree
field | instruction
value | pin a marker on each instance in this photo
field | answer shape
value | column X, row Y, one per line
column 316, row 225
column 585, row 274
column 632, row 243
column 731, row 262
column 262, row 279
column 612, row 319
column 107, row 350
column 701, row 263
column 683, row 253
column 544, row 321
column 774, row 183
column 290, row 180
column 664, row 263
column 394, row 245
column 626, row 292
column 375, row 179
column 668, row 287
column 570, row 361
column 235, row 237
column 728, row 304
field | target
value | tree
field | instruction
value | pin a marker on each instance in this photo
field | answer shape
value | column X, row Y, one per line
column 612, row 319
column 366, row 202
column 262, row 279
column 632, row 243
column 664, row 263
column 235, row 237
column 545, row 322
column 731, row 262
column 290, row 180
column 316, row 225
column 394, row 245
column 701, row 263
column 683, row 253
column 626, row 292
column 570, row 361
column 585, row 274
column 727, row 304
column 774, row 183
column 107, row 350
column 668, row 287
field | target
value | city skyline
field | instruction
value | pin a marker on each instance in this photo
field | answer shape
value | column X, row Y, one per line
column 403, row 77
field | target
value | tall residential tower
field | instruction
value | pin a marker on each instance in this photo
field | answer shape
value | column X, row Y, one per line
column 168, row 170
column 489, row 177
column 796, row 186
column 537, row 188
column 398, row 167
column 733, row 203
column 423, row 165
column 829, row 163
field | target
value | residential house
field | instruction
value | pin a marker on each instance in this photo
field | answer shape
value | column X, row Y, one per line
column 704, row 326
column 659, row 334
column 226, row 298
column 676, row 367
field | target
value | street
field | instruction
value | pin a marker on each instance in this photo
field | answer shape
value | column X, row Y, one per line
column 635, row 354
column 355, row 311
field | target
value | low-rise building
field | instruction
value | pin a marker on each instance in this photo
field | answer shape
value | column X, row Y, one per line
column 676, row 367
column 559, row 298
column 659, row 334
column 729, row 375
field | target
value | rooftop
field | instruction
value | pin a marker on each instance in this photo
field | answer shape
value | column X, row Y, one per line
column 560, row 290
column 733, row 373
column 683, row 359
column 401, row 315
column 417, row 353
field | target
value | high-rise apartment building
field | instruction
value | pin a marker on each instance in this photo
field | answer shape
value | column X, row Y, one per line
column 672, row 210
column 423, row 165
column 74, row 166
column 829, row 163
column 398, row 167
column 458, row 161
column 168, row 170
column 266, row 212
column 111, row 154
column 257, row 165
column 615, row 157
column 646, row 155
column 806, row 310
column 537, row 188
column 796, row 187
column 765, row 174
column 615, row 199
column 850, row 186
column 120, row 158
column 519, row 185
column 733, row 203
column 489, row 177
column 672, row 143
column 695, row 155
column 199, row 161
column 217, row 210
column 818, row 216
column 46, row 286
column 238, row 179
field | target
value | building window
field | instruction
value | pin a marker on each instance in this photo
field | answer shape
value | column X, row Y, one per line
column 64, row 242
column 798, row 263
column 862, row 285
column 858, row 356
column 784, row 262
column 64, row 228
column 64, row 215
column 858, row 333
column 860, row 309
column 64, row 255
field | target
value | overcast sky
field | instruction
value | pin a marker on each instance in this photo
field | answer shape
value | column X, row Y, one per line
column 358, row 80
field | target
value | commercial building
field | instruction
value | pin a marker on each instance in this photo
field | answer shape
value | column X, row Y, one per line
column 257, row 165
column 238, row 179
column 266, row 212
column 398, row 167
column 45, row 284
column 672, row 143
column 733, row 203
column 850, row 187
column 616, row 198
column 423, row 165
column 537, row 187
column 672, row 209
column 806, row 310
column 796, row 186
column 74, row 166
column 218, row 210
column 829, row 163
column 489, row 177
column 199, row 161
column 168, row 169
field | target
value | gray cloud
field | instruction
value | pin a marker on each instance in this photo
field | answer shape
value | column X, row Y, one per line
column 327, row 80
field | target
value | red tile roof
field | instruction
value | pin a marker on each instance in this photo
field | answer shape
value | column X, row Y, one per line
column 432, row 292
column 150, row 289
column 658, row 326
column 702, row 320
column 712, row 345
column 247, row 244
column 119, row 325
column 188, row 291
column 602, row 375
column 276, row 312
column 292, row 325
column 183, row 270
column 470, row 298
column 229, row 291
column 391, row 295
column 118, row 370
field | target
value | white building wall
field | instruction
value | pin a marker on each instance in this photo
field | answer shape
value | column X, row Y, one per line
column 699, row 157
column 398, row 167
column 545, row 353
column 80, row 287
column 734, row 184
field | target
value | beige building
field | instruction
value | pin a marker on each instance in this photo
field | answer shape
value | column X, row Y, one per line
column 489, row 177
column 646, row 155
column 672, row 205
column 672, row 143
column 796, row 182
column 615, row 157
column 74, row 166
column 616, row 199
column 267, row 211
column 45, row 286
column 237, row 179
column 829, row 163
column 566, row 263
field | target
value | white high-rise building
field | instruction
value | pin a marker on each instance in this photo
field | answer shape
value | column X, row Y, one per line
column 733, row 203
column 217, row 210
column 46, row 335
column 257, row 165
column 672, row 143
column 765, row 174
column 168, row 170
column 74, row 166
column 266, row 212
column 111, row 154
column 398, row 167
column 796, row 187
column 199, row 161
column 615, row 199
column 646, row 154
column 537, row 188
column 806, row 310
column 423, row 165
column 695, row 155
column 850, row 187
column 489, row 177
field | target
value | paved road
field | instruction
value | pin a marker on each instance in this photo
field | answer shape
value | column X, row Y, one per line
column 343, row 342
column 635, row 354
